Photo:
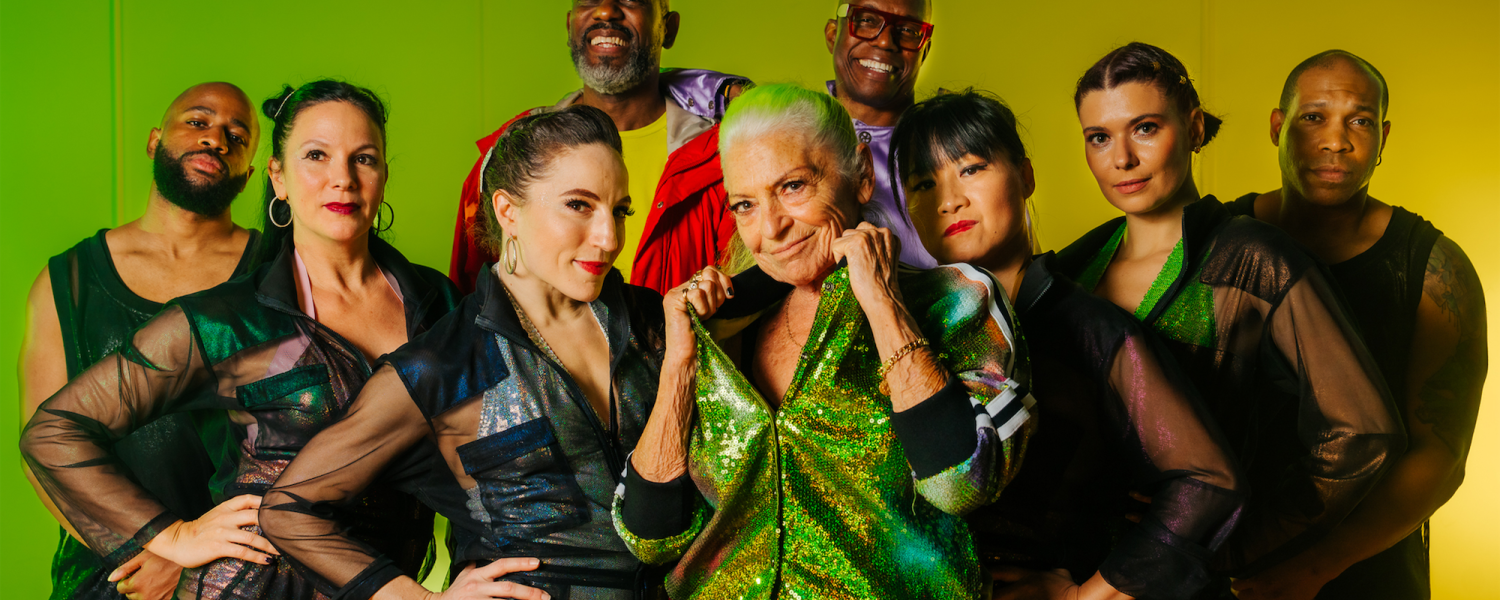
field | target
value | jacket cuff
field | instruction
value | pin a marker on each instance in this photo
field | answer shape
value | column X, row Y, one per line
column 143, row 536
column 654, row 511
column 1150, row 561
column 940, row 432
column 367, row 582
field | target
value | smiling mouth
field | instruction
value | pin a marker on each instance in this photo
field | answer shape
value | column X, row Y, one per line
column 877, row 66
column 607, row 42
column 597, row 268
column 790, row 247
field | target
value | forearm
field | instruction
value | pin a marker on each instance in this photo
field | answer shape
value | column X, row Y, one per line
column 402, row 588
column 661, row 454
column 1413, row 489
column 917, row 375
column 36, row 486
column 1096, row 588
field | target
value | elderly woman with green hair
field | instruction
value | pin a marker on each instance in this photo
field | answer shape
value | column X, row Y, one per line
column 823, row 434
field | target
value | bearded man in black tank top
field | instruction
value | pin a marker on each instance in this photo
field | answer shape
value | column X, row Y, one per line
column 89, row 299
column 1417, row 302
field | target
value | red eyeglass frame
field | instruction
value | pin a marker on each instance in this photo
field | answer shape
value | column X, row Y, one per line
column 847, row 10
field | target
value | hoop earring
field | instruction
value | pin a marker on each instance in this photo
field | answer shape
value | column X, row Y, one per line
column 387, row 223
column 512, row 255
column 1379, row 159
column 271, row 212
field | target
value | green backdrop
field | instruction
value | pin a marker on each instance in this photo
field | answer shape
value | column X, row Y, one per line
column 82, row 83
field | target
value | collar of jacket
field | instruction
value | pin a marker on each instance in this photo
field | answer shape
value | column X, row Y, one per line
column 1035, row 284
column 498, row 315
column 277, row 287
column 1201, row 223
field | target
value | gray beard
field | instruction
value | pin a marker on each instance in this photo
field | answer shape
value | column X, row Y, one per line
column 612, row 80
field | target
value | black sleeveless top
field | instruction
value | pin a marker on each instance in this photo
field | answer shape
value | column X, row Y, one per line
column 1382, row 287
column 97, row 312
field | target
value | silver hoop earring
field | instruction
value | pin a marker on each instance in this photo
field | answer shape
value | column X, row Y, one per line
column 271, row 212
column 384, row 225
column 512, row 255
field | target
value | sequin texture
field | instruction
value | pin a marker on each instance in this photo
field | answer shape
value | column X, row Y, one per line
column 817, row 499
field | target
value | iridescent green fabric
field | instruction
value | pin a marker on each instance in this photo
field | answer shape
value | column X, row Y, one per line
column 816, row 499
column 1188, row 318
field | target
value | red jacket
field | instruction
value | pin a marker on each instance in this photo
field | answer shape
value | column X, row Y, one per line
column 688, row 227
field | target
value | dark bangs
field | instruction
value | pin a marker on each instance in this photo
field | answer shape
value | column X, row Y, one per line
column 950, row 125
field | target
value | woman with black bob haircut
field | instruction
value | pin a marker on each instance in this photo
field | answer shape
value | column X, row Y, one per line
column 1117, row 415
column 1248, row 316
column 533, row 392
column 267, row 359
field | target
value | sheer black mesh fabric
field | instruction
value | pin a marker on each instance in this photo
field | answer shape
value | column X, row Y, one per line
column 237, row 349
column 477, row 422
column 1288, row 382
column 1117, row 417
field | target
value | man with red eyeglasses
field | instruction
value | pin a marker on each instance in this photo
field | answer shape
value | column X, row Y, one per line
column 878, row 47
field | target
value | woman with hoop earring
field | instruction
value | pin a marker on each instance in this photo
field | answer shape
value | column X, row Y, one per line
column 266, row 361
column 534, row 392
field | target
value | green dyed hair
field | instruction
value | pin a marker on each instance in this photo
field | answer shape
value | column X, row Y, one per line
column 780, row 107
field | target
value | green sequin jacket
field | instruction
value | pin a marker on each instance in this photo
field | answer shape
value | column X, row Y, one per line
column 832, row 495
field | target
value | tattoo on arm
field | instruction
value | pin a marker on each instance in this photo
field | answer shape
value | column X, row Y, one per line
column 1449, row 399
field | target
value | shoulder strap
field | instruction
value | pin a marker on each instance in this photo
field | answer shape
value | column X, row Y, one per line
column 243, row 266
column 63, row 272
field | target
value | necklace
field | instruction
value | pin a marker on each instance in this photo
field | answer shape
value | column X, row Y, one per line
column 786, row 322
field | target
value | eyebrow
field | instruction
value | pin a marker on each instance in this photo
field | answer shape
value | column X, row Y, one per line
column 325, row 143
column 1324, row 104
column 211, row 111
column 581, row 192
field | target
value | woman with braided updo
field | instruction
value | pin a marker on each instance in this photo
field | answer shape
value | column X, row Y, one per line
column 264, row 361
column 514, row 415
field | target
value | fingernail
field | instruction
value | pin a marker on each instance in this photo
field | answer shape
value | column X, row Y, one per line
column 535, row 562
column 731, row 292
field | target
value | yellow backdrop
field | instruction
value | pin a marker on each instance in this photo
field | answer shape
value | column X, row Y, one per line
column 81, row 83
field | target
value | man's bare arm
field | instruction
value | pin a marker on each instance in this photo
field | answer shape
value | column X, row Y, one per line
column 1449, row 360
column 43, row 370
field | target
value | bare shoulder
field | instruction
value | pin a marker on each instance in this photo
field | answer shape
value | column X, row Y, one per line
column 39, row 299
column 1452, row 282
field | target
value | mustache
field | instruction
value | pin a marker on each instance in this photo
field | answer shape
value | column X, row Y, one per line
column 223, row 166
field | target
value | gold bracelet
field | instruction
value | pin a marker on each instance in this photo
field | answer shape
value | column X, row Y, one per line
column 900, row 354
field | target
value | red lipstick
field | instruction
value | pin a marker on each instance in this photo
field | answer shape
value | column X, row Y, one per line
column 343, row 208
column 597, row 268
column 959, row 227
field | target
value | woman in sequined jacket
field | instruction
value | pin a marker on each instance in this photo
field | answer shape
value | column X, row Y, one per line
column 1249, row 317
column 529, row 395
column 823, row 435
column 265, row 361
column 1117, row 414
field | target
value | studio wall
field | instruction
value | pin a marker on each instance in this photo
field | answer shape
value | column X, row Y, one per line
column 82, row 83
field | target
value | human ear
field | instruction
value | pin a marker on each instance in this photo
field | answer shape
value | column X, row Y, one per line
column 1278, row 118
column 830, row 34
column 505, row 209
column 670, row 22
column 152, row 142
column 278, row 177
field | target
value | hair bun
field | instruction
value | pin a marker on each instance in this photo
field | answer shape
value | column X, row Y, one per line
column 272, row 105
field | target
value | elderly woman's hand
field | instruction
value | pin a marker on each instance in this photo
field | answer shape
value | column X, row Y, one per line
column 872, row 253
column 703, row 294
